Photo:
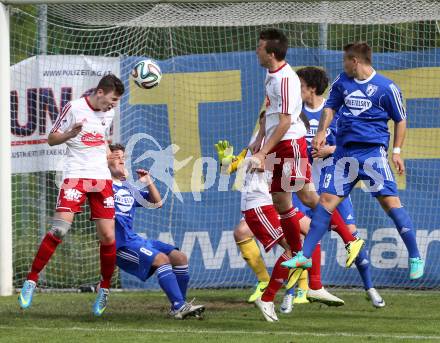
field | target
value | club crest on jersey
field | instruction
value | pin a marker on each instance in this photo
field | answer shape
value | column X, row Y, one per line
column 357, row 102
column 371, row 89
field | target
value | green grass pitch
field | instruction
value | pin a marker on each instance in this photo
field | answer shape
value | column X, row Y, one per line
column 410, row 316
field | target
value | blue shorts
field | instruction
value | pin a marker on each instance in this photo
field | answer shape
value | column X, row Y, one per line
column 345, row 209
column 360, row 162
column 137, row 256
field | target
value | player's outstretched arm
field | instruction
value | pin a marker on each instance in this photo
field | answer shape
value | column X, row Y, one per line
column 225, row 154
column 153, row 192
column 56, row 138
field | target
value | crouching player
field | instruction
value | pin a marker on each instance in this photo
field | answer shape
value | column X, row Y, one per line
column 142, row 257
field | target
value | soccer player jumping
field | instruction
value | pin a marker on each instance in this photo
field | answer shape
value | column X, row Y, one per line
column 314, row 82
column 83, row 125
column 284, row 151
column 366, row 102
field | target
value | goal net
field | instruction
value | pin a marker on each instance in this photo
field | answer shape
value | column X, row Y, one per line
column 212, row 89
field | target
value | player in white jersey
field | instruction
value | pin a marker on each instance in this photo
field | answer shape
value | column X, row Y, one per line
column 283, row 133
column 284, row 151
column 263, row 221
column 83, row 125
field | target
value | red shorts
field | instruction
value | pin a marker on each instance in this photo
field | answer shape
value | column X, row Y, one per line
column 73, row 194
column 293, row 170
column 265, row 224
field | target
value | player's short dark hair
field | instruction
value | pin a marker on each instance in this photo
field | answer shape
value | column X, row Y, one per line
column 315, row 78
column 359, row 50
column 111, row 83
column 116, row 146
column 276, row 43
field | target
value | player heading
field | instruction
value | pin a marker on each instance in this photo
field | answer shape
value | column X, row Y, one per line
column 110, row 83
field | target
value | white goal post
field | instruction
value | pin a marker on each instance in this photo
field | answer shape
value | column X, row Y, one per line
column 5, row 159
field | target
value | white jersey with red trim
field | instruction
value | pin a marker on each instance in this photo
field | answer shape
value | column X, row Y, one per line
column 283, row 95
column 86, row 153
column 255, row 191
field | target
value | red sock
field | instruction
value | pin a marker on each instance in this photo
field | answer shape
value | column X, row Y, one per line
column 45, row 251
column 290, row 225
column 338, row 225
column 107, row 254
column 279, row 275
column 315, row 270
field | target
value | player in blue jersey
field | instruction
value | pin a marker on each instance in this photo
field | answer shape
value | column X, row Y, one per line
column 143, row 257
column 366, row 101
column 314, row 82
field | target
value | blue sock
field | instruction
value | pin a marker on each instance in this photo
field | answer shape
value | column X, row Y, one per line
column 363, row 266
column 318, row 228
column 290, row 291
column 406, row 230
column 168, row 282
column 182, row 277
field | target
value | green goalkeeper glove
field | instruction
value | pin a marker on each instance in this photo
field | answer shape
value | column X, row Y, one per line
column 225, row 152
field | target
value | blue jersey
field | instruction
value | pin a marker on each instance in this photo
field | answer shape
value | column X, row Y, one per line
column 314, row 115
column 365, row 106
column 127, row 198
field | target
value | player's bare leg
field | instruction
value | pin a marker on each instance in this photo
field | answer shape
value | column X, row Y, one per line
column 61, row 224
column 393, row 207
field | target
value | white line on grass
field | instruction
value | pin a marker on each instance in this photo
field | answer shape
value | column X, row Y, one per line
column 228, row 332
